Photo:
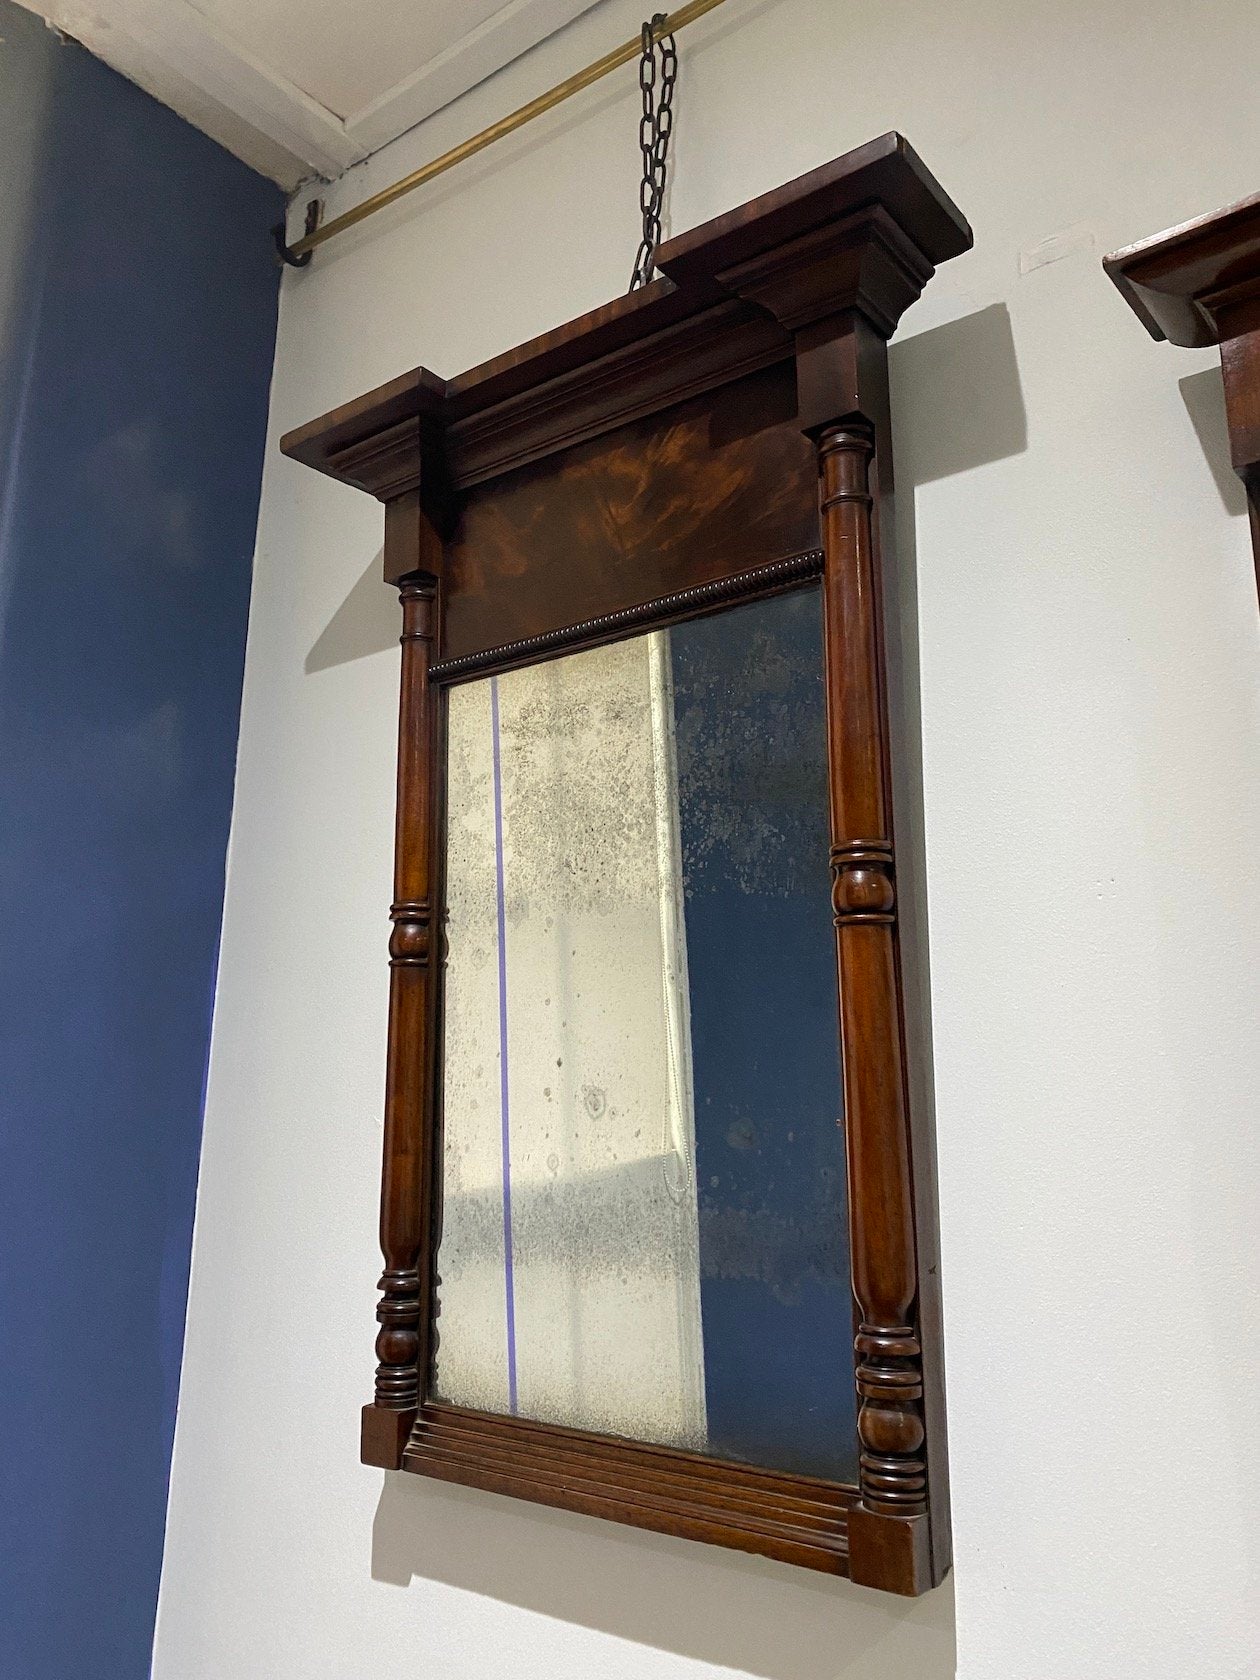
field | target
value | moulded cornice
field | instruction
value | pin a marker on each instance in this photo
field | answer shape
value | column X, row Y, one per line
column 863, row 233
column 1199, row 283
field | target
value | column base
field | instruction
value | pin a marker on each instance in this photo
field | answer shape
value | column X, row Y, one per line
column 384, row 1436
column 890, row 1553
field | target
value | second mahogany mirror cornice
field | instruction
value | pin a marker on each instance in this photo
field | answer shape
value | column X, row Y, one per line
column 656, row 1144
column 1199, row 284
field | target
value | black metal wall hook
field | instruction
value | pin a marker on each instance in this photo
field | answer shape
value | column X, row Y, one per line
column 283, row 250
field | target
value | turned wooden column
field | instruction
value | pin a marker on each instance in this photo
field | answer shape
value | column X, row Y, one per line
column 841, row 290
column 403, row 1343
column 864, row 898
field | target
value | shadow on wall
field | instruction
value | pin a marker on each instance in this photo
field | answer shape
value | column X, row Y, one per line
column 956, row 400
column 962, row 408
column 696, row 1601
column 367, row 621
column 1204, row 397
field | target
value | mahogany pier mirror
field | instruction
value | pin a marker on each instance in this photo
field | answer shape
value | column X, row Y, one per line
column 1199, row 284
column 658, row 1201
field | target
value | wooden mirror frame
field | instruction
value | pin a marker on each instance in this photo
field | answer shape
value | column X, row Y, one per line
column 1199, row 284
column 720, row 435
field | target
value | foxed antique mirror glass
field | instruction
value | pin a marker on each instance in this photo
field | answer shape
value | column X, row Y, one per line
column 644, row 1224
column 658, row 1198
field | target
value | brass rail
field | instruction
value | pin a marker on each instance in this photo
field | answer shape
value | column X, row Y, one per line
column 496, row 131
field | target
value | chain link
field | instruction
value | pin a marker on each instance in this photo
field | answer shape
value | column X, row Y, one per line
column 656, row 126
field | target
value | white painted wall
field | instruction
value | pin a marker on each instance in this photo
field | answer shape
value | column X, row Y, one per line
column 1091, row 695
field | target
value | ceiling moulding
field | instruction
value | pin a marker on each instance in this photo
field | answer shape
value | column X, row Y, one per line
column 512, row 31
column 175, row 53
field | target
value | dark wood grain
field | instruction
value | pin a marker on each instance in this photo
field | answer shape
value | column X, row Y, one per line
column 888, row 1346
column 887, row 172
column 663, row 610
column 698, row 492
column 662, row 453
column 374, row 441
column 1199, row 284
column 706, row 350
column 865, row 262
column 683, row 334
column 409, row 1159
column 798, row 1519
column 1240, row 365
column 580, row 343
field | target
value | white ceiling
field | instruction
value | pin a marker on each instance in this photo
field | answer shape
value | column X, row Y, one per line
column 302, row 87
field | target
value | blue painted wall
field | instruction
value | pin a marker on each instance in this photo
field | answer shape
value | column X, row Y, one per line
column 775, row 1298
column 137, row 323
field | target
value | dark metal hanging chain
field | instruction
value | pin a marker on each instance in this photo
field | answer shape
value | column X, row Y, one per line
column 656, row 125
